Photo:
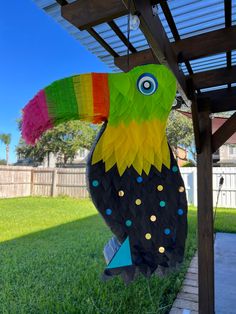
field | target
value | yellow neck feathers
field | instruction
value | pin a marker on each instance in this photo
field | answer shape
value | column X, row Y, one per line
column 140, row 145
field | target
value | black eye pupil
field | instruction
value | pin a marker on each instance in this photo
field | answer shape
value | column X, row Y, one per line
column 146, row 85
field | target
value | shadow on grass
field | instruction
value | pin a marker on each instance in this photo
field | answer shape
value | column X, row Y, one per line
column 58, row 271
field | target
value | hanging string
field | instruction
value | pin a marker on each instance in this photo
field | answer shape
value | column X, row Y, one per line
column 221, row 182
column 128, row 33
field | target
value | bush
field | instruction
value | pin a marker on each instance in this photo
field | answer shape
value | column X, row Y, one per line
column 189, row 163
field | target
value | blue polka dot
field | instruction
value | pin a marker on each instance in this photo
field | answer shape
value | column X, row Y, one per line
column 162, row 203
column 174, row 168
column 128, row 223
column 167, row 231
column 139, row 179
column 108, row 211
column 95, row 183
column 180, row 211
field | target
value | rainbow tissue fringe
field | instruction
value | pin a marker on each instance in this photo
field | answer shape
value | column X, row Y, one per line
column 85, row 97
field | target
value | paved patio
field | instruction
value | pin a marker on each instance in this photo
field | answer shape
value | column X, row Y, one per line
column 225, row 273
column 225, row 280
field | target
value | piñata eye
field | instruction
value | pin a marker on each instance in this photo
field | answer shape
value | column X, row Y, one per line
column 147, row 84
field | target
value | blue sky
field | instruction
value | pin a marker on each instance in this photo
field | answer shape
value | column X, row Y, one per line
column 35, row 51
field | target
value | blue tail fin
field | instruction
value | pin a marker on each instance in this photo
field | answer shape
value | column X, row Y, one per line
column 122, row 257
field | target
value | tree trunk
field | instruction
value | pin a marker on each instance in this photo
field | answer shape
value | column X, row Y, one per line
column 7, row 154
column 65, row 160
column 48, row 159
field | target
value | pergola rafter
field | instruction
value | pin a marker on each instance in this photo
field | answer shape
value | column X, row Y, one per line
column 197, row 46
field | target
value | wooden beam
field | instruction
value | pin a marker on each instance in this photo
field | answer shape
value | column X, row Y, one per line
column 221, row 100
column 195, row 119
column 228, row 22
column 214, row 77
column 135, row 59
column 154, row 32
column 84, row 14
column 224, row 133
column 205, row 218
column 206, row 44
column 198, row 46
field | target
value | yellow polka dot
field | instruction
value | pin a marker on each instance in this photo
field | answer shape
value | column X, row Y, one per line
column 181, row 189
column 161, row 249
column 138, row 201
column 160, row 187
column 153, row 218
column 148, row 236
column 121, row 193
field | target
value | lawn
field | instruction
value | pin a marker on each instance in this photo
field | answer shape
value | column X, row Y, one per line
column 51, row 260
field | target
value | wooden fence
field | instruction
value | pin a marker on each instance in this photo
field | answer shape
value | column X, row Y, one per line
column 27, row 181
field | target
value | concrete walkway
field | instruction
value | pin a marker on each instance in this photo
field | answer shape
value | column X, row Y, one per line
column 225, row 273
column 225, row 280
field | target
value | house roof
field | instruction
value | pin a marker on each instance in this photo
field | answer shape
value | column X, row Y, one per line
column 217, row 122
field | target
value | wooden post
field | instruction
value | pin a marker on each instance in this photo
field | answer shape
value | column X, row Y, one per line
column 205, row 217
column 32, row 182
column 54, row 183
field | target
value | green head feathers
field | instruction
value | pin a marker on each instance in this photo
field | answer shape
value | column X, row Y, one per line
column 146, row 92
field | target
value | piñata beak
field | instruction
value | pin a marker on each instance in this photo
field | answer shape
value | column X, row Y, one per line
column 81, row 97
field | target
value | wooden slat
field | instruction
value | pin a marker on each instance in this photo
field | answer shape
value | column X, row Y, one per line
column 166, row 10
column 173, row 28
column 122, row 37
column 221, row 100
column 228, row 12
column 205, row 218
column 193, row 47
column 84, row 14
column 154, row 32
column 102, row 42
column 214, row 77
column 62, row 2
column 224, row 133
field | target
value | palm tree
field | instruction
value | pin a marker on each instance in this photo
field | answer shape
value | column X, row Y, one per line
column 6, row 140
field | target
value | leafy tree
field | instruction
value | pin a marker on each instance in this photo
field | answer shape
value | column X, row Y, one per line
column 63, row 140
column 179, row 132
column 3, row 162
column 6, row 140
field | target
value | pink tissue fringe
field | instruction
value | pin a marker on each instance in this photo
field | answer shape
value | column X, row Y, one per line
column 35, row 118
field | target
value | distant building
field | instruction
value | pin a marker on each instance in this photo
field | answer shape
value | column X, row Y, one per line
column 53, row 160
column 227, row 155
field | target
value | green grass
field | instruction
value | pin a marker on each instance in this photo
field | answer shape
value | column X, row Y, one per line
column 51, row 260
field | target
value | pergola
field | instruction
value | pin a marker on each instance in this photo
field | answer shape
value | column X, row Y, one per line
column 197, row 41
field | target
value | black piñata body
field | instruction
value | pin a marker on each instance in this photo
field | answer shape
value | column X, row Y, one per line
column 151, row 210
